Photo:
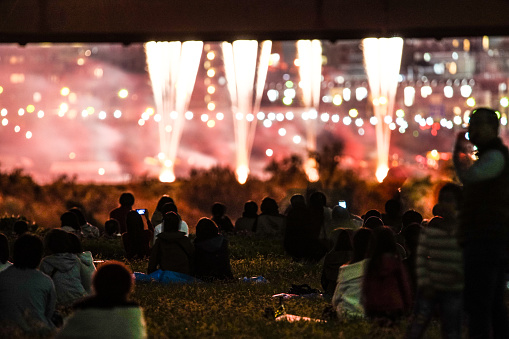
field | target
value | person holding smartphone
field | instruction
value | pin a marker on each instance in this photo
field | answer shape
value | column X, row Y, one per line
column 484, row 220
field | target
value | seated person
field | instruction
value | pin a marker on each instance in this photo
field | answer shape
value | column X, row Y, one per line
column 126, row 202
column 86, row 259
column 20, row 227
column 111, row 229
column 108, row 313
column 70, row 223
column 88, row 230
column 347, row 296
column 219, row 216
column 337, row 257
column 212, row 257
column 137, row 239
column 170, row 207
column 270, row 222
column 4, row 252
column 246, row 223
column 27, row 296
column 157, row 217
column 172, row 251
column 63, row 267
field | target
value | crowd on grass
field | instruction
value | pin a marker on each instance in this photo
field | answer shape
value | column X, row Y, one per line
column 381, row 266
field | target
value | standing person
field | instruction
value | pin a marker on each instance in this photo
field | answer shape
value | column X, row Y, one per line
column 212, row 257
column 484, row 220
column 108, row 313
column 439, row 279
column 27, row 296
column 386, row 294
column 126, row 202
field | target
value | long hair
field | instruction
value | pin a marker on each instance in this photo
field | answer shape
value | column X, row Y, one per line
column 382, row 243
column 135, row 234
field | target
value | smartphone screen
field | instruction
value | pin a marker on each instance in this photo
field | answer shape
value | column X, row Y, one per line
column 342, row 203
column 141, row 211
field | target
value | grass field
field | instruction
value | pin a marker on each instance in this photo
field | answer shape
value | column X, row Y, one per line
column 236, row 309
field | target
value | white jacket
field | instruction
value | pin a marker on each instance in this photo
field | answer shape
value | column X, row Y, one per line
column 347, row 296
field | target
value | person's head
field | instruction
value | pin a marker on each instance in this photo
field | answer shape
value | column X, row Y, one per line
column 111, row 226
column 411, row 235
column 171, row 222
column 250, row 209
column 126, row 200
column 113, row 281
column 297, row 201
column 57, row 241
column 340, row 214
column 269, row 206
column 75, row 246
column 163, row 200
column 371, row 213
column 206, row 229
column 71, row 220
column 360, row 243
column 383, row 242
column 317, row 199
column 27, row 251
column 79, row 215
column 373, row 222
column 134, row 222
column 393, row 207
column 451, row 194
column 409, row 217
column 169, row 207
column 344, row 241
column 483, row 126
column 438, row 223
column 4, row 248
column 20, row 227
column 218, row 210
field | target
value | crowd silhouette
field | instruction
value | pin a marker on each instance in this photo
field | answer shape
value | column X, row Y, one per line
column 382, row 267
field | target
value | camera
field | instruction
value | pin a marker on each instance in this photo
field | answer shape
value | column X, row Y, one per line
column 141, row 211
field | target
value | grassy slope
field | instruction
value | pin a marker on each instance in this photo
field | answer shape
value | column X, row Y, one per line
column 235, row 310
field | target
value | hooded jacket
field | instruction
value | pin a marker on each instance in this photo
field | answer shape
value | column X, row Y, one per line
column 65, row 271
column 212, row 259
column 87, row 269
column 172, row 251
column 347, row 295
